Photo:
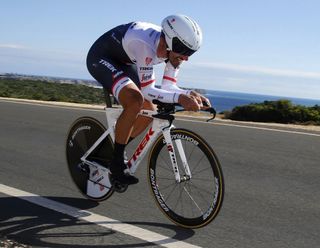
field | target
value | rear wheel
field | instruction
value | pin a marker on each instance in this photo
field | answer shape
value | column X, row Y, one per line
column 194, row 202
column 83, row 133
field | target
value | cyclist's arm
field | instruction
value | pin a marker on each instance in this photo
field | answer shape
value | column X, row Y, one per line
column 169, row 80
column 150, row 92
column 146, row 75
column 144, row 62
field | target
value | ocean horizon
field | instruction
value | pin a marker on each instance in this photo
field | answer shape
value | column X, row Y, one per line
column 220, row 100
column 226, row 100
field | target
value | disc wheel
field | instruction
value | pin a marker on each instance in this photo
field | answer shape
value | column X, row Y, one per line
column 84, row 132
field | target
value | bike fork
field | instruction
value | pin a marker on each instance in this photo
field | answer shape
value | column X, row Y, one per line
column 172, row 154
column 183, row 159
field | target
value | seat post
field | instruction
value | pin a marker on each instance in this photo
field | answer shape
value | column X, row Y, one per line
column 107, row 97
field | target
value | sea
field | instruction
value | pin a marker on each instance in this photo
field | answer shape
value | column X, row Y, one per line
column 226, row 101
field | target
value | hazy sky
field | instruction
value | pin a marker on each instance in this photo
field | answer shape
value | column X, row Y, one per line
column 267, row 47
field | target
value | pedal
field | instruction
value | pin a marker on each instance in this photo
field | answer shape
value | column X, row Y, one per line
column 119, row 187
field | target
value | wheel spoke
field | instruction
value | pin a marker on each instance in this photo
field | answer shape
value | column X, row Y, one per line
column 198, row 164
column 165, row 165
column 169, row 195
column 189, row 200
column 195, row 203
column 200, row 193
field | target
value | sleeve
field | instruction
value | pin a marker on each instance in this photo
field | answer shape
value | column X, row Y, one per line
column 169, row 80
column 144, row 63
column 150, row 92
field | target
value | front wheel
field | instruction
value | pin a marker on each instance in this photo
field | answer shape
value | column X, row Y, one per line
column 83, row 133
column 195, row 201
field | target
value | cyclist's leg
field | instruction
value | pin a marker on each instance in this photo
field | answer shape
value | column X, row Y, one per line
column 116, row 77
column 131, row 100
column 142, row 122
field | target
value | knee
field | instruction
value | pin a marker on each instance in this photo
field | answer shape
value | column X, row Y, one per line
column 132, row 101
column 148, row 105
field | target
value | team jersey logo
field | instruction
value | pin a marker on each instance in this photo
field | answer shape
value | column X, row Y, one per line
column 148, row 60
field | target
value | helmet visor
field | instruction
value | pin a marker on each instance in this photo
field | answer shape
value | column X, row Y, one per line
column 179, row 47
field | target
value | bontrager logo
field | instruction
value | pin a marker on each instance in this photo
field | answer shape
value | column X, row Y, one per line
column 213, row 205
column 76, row 132
column 182, row 137
column 156, row 191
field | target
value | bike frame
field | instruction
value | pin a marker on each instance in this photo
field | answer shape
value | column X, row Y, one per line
column 158, row 126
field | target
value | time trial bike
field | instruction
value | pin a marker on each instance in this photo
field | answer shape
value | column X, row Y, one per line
column 184, row 173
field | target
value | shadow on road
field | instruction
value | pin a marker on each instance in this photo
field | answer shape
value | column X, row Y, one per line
column 34, row 225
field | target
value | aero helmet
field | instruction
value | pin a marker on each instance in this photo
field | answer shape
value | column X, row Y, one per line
column 182, row 34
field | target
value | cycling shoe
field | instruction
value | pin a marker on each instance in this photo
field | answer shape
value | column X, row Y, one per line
column 123, row 178
column 119, row 179
column 120, row 182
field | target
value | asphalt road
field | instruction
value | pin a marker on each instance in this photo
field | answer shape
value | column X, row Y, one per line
column 272, row 196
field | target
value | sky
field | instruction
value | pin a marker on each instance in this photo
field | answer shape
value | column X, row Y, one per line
column 253, row 46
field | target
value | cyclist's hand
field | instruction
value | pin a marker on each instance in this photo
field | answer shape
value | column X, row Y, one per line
column 189, row 103
column 202, row 101
column 197, row 96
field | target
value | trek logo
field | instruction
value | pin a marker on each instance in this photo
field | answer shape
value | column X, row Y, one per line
column 170, row 148
column 145, row 69
column 108, row 65
column 117, row 74
column 173, row 157
column 141, row 147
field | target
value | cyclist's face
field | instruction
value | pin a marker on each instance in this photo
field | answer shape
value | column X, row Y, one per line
column 176, row 59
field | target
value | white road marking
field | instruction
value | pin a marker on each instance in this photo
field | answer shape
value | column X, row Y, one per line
column 97, row 219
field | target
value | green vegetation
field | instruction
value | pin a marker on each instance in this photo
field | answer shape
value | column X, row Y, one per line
column 39, row 90
column 281, row 111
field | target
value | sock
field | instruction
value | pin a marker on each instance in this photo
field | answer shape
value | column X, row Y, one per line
column 118, row 153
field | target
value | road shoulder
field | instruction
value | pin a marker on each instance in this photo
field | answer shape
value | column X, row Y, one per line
column 183, row 115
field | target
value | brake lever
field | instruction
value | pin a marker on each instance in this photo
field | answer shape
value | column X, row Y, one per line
column 213, row 112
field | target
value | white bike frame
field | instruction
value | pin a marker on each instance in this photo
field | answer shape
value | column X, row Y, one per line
column 158, row 126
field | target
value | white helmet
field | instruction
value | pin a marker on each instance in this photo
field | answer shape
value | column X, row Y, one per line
column 183, row 35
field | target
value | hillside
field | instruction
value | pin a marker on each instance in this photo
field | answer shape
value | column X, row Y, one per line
column 50, row 91
column 87, row 92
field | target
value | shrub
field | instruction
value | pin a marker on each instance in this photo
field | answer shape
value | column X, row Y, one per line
column 281, row 111
column 46, row 91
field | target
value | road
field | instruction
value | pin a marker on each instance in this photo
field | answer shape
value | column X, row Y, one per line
column 272, row 196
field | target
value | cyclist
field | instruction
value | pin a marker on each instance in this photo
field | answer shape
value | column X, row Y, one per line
column 122, row 60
